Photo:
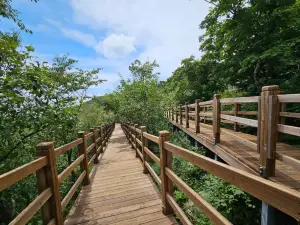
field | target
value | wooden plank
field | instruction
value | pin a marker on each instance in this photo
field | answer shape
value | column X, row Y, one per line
column 206, row 103
column 153, row 174
column 293, row 98
column 290, row 114
column 90, row 148
column 69, row 169
column 252, row 99
column 92, row 160
column 72, row 191
column 288, row 160
column 150, row 137
column 289, row 129
column 139, row 142
column 183, row 218
column 15, row 175
column 32, row 208
column 88, row 135
column 214, row 216
column 67, row 147
column 245, row 121
column 206, row 114
column 283, row 198
column 152, row 155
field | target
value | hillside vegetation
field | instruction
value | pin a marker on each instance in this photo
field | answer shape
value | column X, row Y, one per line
column 246, row 45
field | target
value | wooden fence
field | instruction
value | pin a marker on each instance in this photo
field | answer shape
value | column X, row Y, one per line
column 279, row 196
column 48, row 179
column 268, row 118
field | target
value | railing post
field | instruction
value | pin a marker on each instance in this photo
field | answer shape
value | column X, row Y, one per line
column 94, row 138
column 237, row 108
column 144, row 144
column 216, row 118
column 172, row 111
column 180, row 114
column 187, row 124
column 268, row 133
column 84, row 163
column 176, row 114
column 197, row 116
column 165, row 161
column 135, row 142
column 47, row 177
column 101, row 139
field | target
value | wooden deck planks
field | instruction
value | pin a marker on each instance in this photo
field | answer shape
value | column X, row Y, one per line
column 119, row 192
column 285, row 173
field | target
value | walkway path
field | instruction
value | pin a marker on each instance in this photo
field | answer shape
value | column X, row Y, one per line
column 119, row 192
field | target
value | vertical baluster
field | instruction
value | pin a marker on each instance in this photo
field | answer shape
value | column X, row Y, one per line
column 187, row 124
column 165, row 162
column 84, row 163
column 47, row 177
column 216, row 118
column 197, row 116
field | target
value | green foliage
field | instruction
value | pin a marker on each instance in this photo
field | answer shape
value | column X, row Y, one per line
column 38, row 102
column 193, row 79
column 6, row 11
column 139, row 100
column 254, row 43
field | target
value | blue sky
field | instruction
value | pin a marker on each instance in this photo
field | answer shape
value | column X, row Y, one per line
column 110, row 34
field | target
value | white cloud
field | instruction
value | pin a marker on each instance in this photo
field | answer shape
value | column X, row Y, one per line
column 166, row 30
column 76, row 35
column 83, row 38
column 115, row 46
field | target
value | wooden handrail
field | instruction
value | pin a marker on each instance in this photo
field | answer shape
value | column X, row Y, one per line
column 13, row 176
column 48, row 180
column 277, row 195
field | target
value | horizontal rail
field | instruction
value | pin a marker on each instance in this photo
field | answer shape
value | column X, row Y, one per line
column 290, row 114
column 98, row 139
column 90, row 148
column 138, row 130
column 245, row 121
column 289, row 129
column 178, row 211
column 292, row 98
column 69, row 169
column 206, row 114
column 151, row 137
column 243, row 113
column 13, row 176
column 214, row 216
column 88, row 135
column 72, row 191
column 206, row 103
column 92, row 160
column 152, row 155
column 139, row 142
column 32, row 208
column 153, row 174
column 252, row 99
column 279, row 196
column 58, row 151
column 139, row 153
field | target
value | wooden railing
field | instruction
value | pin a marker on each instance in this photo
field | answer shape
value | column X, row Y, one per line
column 48, row 179
column 279, row 196
column 268, row 119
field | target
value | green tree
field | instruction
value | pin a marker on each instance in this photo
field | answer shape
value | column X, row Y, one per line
column 254, row 43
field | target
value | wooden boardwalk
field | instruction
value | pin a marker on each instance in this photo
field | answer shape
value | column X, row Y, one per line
column 119, row 192
column 239, row 150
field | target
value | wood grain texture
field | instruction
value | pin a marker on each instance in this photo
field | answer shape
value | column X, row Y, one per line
column 119, row 193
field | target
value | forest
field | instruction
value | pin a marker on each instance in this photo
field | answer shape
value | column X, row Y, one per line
column 246, row 45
